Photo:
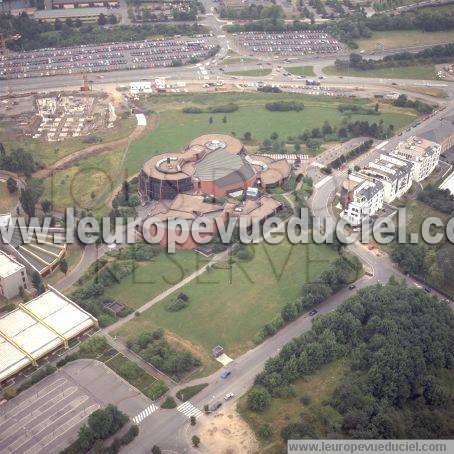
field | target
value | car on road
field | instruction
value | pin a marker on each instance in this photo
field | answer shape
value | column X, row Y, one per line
column 352, row 287
column 313, row 312
column 226, row 373
column 216, row 406
column 229, row 396
column 428, row 289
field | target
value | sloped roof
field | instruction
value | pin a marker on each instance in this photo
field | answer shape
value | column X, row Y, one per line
column 223, row 167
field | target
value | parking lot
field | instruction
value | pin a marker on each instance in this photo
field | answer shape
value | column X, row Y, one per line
column 107, row 57
column 288, row 43
column 46, row 417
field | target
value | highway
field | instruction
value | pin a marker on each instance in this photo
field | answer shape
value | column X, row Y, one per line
column 168, row 428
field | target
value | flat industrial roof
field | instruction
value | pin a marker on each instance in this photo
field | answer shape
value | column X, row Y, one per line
column 38, row 327
column 8, row 265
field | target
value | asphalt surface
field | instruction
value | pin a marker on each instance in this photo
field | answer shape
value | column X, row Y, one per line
column 167, row 428
column 46, row 417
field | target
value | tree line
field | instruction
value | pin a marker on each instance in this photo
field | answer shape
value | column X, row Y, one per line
column 36, row 34
column 398, row 343
column 336, row 276
column 435, row 54
column 355, row 26
column 439, row 199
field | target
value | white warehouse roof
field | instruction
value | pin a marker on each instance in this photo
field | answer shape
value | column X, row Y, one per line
column 8, row 265
column 37, row 328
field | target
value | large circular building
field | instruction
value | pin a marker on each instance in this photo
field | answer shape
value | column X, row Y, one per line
column 212, row 164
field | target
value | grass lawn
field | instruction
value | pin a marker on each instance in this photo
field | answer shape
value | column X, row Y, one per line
column 135, row 375
column 150, row 279
column 392, row 39
column 431, row 91
column 8, row 201
column 228, row 307
column 301, row 70
column 89, row 184
column 189, row 392
column 47, row 153
column 399, row 72
column 238, row 60
column 251, row 72
column 318, row 387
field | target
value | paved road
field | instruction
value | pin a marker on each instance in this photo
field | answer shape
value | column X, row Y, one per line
column 46, row 418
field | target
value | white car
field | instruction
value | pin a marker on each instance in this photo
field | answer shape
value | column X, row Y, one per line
column 229, row 396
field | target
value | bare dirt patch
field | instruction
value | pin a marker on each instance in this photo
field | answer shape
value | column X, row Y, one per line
column 92, row 150
column 226, row 433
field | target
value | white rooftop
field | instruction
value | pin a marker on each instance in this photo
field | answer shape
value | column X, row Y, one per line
column 8, row 265
column 37, row 328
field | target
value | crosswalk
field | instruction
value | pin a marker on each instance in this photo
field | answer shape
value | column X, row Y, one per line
column 189, row 410
column 144, row 414
column 289, row 157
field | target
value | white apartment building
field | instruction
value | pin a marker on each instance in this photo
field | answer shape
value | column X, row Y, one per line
column 13, row 276
column 395, row 174
column 423, row 153
column 364, row 198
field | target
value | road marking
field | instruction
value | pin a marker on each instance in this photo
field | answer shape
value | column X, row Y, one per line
column 322, row 182
column 189, row 410
column 144, row 414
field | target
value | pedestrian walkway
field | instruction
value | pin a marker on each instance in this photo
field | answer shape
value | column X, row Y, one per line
column 144, row 414
column 289, row 157
column 189, row 410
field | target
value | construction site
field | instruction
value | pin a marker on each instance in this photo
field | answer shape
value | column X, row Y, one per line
column 57, row 116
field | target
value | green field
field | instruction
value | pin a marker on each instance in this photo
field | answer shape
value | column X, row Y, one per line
column 150, row 279
column 228, row 307
column 393, row 39
column 398, row 72
column 251, row 72
column 90, row 183
column 301, row 70
column 238, row 60
column 49, row 152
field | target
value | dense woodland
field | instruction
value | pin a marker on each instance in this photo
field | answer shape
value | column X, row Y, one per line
column 37, row 34
column 399, row 343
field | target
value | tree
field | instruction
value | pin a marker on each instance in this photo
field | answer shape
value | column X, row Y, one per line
column 156, row 450
column 247, row 136
column 11, row 185
column 37, row 282
column 86, row 438
column 274, row 136
column 113, row 19
column 46, row 206
column 195, row 441
column 224, row 119
column 259, row 399
column 193, row 420
column 101, row 421
column 102, row 19
column 30, row 196
column 63, row 266
column 210, row 120
column 327, row 128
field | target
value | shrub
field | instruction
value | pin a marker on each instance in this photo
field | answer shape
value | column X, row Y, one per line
column 265, row 431
column 169, row 403
column 259, row 399
column 132, row 433
column 175, row 305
